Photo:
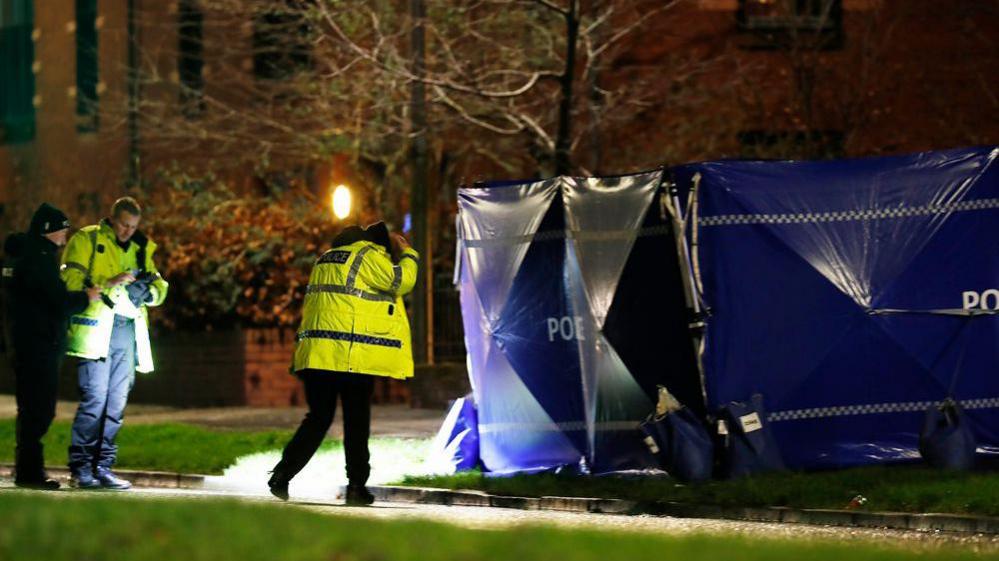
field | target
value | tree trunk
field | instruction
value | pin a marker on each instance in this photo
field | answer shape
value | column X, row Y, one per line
column 418, row 194
column 134, row 171
column 563, row 142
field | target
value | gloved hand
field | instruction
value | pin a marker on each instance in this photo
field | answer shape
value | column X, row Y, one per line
column 139, row 292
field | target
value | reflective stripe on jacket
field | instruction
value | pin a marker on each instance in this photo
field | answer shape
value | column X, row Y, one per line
column 95, row 248
column 353, row 319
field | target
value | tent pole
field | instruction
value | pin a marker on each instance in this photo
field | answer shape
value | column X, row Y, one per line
column 671, row 200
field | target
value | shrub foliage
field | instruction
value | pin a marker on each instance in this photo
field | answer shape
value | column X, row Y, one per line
column 235, row 258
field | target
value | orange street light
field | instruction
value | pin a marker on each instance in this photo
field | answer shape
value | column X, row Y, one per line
column 341, row 201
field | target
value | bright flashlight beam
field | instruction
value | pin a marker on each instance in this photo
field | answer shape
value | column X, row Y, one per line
column 341, row 201
column 392, row 459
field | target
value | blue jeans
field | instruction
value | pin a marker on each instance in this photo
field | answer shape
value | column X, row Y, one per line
column 104, row 385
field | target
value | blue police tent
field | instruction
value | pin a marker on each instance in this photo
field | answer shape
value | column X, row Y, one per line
column 852, row 294
column 573, row 314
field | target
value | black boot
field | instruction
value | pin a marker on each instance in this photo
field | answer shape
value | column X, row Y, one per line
column 358, row 495
column 278, row 484
column 41, row 483
column 29, row 470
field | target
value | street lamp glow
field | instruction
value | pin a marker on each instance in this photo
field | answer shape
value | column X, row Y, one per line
column 341, row 201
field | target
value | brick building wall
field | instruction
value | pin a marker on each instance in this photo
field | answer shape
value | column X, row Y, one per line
column 904, row 77
column 192, row 369
column 266, row 381
column 80, row 171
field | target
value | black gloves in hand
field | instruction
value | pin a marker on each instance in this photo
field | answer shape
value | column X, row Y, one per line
column 139, row 292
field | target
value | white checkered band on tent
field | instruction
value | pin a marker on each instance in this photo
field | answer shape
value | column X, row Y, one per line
column 567, row 426
column 549, row 235
column 873, row 408
column 846, row 216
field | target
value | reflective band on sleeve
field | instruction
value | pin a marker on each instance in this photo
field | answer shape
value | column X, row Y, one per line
column 340, row 289
column 396, row 279
column 351, row 337
column 77, row 320
column 77, row 266
column 410, row 256
column 356, row 266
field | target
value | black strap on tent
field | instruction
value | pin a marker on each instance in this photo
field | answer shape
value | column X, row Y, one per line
column 88, row 281
column 140, row 256
column 949, row 405
column 90, row 264
column 961, row 312
column 968, row 314
column 960, row 359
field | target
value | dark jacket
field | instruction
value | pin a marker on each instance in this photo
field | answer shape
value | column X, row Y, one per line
column 38, row 306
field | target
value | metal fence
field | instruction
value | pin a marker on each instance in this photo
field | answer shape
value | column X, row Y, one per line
column 449, row 334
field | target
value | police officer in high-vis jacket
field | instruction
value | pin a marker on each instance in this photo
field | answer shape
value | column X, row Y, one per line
column 354, row 327
column 111, row 337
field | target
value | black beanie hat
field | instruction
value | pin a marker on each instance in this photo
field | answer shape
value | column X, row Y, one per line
column 48, row 219
column 347, row 236
column 378, row 233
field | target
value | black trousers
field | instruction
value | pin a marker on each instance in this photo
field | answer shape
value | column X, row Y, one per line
column 36, row 378
column 321, row 390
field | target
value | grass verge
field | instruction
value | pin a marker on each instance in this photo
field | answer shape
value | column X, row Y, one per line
column 59, row 527
column 160, row 447
column 191, row 449
column 886, row 488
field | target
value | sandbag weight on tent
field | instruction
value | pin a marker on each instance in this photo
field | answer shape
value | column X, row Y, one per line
column 681, row 444
column 749, row 446
column 946, row 440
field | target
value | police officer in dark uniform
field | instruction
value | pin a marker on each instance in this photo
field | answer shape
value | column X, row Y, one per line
column 38, row 308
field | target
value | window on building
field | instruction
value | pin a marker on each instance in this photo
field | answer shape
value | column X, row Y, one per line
column 191, row 61
column 792, row 23
column 17, row 78
column 282, row 40
column 86, row 66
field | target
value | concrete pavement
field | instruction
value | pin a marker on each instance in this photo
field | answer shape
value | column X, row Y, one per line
column 386, row 420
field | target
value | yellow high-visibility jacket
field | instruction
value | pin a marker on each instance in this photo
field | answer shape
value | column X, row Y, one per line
column 93, row 252
column 353, row 319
